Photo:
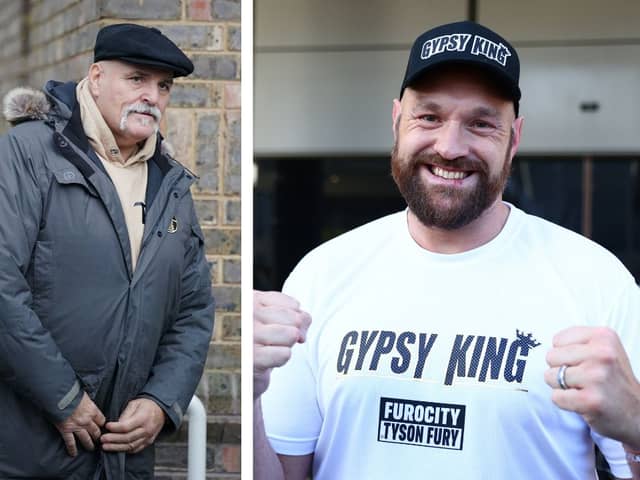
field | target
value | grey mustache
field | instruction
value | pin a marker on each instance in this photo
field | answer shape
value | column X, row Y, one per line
column 144, row 108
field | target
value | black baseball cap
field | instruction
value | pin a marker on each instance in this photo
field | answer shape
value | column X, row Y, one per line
column 141, row 45
column 466, row 43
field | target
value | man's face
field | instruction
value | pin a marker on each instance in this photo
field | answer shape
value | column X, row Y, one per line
column 455, row 137
column 131, row 98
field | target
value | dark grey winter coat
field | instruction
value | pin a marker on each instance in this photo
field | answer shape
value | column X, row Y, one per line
column 73, row 315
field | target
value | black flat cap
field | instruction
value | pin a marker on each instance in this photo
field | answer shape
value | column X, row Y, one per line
column 141, row 46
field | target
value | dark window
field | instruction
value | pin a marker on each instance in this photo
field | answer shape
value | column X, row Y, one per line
column 301, row 202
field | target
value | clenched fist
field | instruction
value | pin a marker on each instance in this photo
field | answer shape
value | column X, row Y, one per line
column 278, row 324
column 599, row 382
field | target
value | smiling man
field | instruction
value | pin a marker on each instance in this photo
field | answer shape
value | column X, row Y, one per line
column 438, row 331
column 105, row 295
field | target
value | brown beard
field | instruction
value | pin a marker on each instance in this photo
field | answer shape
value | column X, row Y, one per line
column 443, row 207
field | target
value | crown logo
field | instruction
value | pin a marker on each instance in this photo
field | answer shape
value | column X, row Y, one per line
column 527, row 341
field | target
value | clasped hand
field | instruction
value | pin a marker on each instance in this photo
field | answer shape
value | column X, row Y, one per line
column 137, row 428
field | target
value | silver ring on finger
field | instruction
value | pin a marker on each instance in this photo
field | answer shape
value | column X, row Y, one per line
column 561, row 377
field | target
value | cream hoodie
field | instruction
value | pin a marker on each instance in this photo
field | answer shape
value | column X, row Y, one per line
column 130, row 176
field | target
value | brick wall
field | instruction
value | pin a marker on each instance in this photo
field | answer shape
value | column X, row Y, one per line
column 53, row 39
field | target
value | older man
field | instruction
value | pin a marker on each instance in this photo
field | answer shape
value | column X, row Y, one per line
column 105, row 300
column 432, row 328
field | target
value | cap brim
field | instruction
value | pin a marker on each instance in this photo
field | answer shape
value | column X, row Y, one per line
column 507, row 85
column 175, row 70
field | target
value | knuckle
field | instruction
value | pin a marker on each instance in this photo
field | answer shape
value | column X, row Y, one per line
column 292, row 303
column 285, row 300
column 607, row 354
column 297, row 320
column 605, row 334
column 281, row 299
column 549, row 357
column 290, row 335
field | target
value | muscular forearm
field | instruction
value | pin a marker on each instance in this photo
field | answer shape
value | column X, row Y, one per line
column 266, row 465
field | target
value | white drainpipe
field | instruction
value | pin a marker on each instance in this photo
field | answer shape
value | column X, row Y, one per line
column 197, row 449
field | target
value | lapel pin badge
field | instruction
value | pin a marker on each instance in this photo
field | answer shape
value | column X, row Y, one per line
column 173, row 225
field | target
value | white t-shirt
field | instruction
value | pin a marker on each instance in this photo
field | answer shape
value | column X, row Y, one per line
column 424, row 365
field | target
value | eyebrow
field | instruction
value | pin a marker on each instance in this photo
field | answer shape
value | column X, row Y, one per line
column 138, row 72
column 427, row 105
column 480, row 111
column 142, row 73
column 485, row 111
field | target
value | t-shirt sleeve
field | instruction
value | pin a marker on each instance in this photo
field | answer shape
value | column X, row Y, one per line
column 290, row 406
column 625, row 319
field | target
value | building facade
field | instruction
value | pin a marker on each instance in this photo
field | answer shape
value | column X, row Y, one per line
column 53, row 39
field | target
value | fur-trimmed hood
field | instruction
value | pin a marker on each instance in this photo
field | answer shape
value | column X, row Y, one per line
column 23, row 104
column 56, row 100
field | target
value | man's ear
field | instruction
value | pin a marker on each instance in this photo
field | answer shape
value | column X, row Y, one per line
column 94, row 76
column 395, row 118
column 517, row 132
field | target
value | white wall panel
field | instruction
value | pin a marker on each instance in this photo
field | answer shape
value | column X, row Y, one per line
column 299, row 23
column 325, row 102
column 555, row 81
column 564, row 20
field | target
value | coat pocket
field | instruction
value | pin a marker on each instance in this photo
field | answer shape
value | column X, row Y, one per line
column 70, row 176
